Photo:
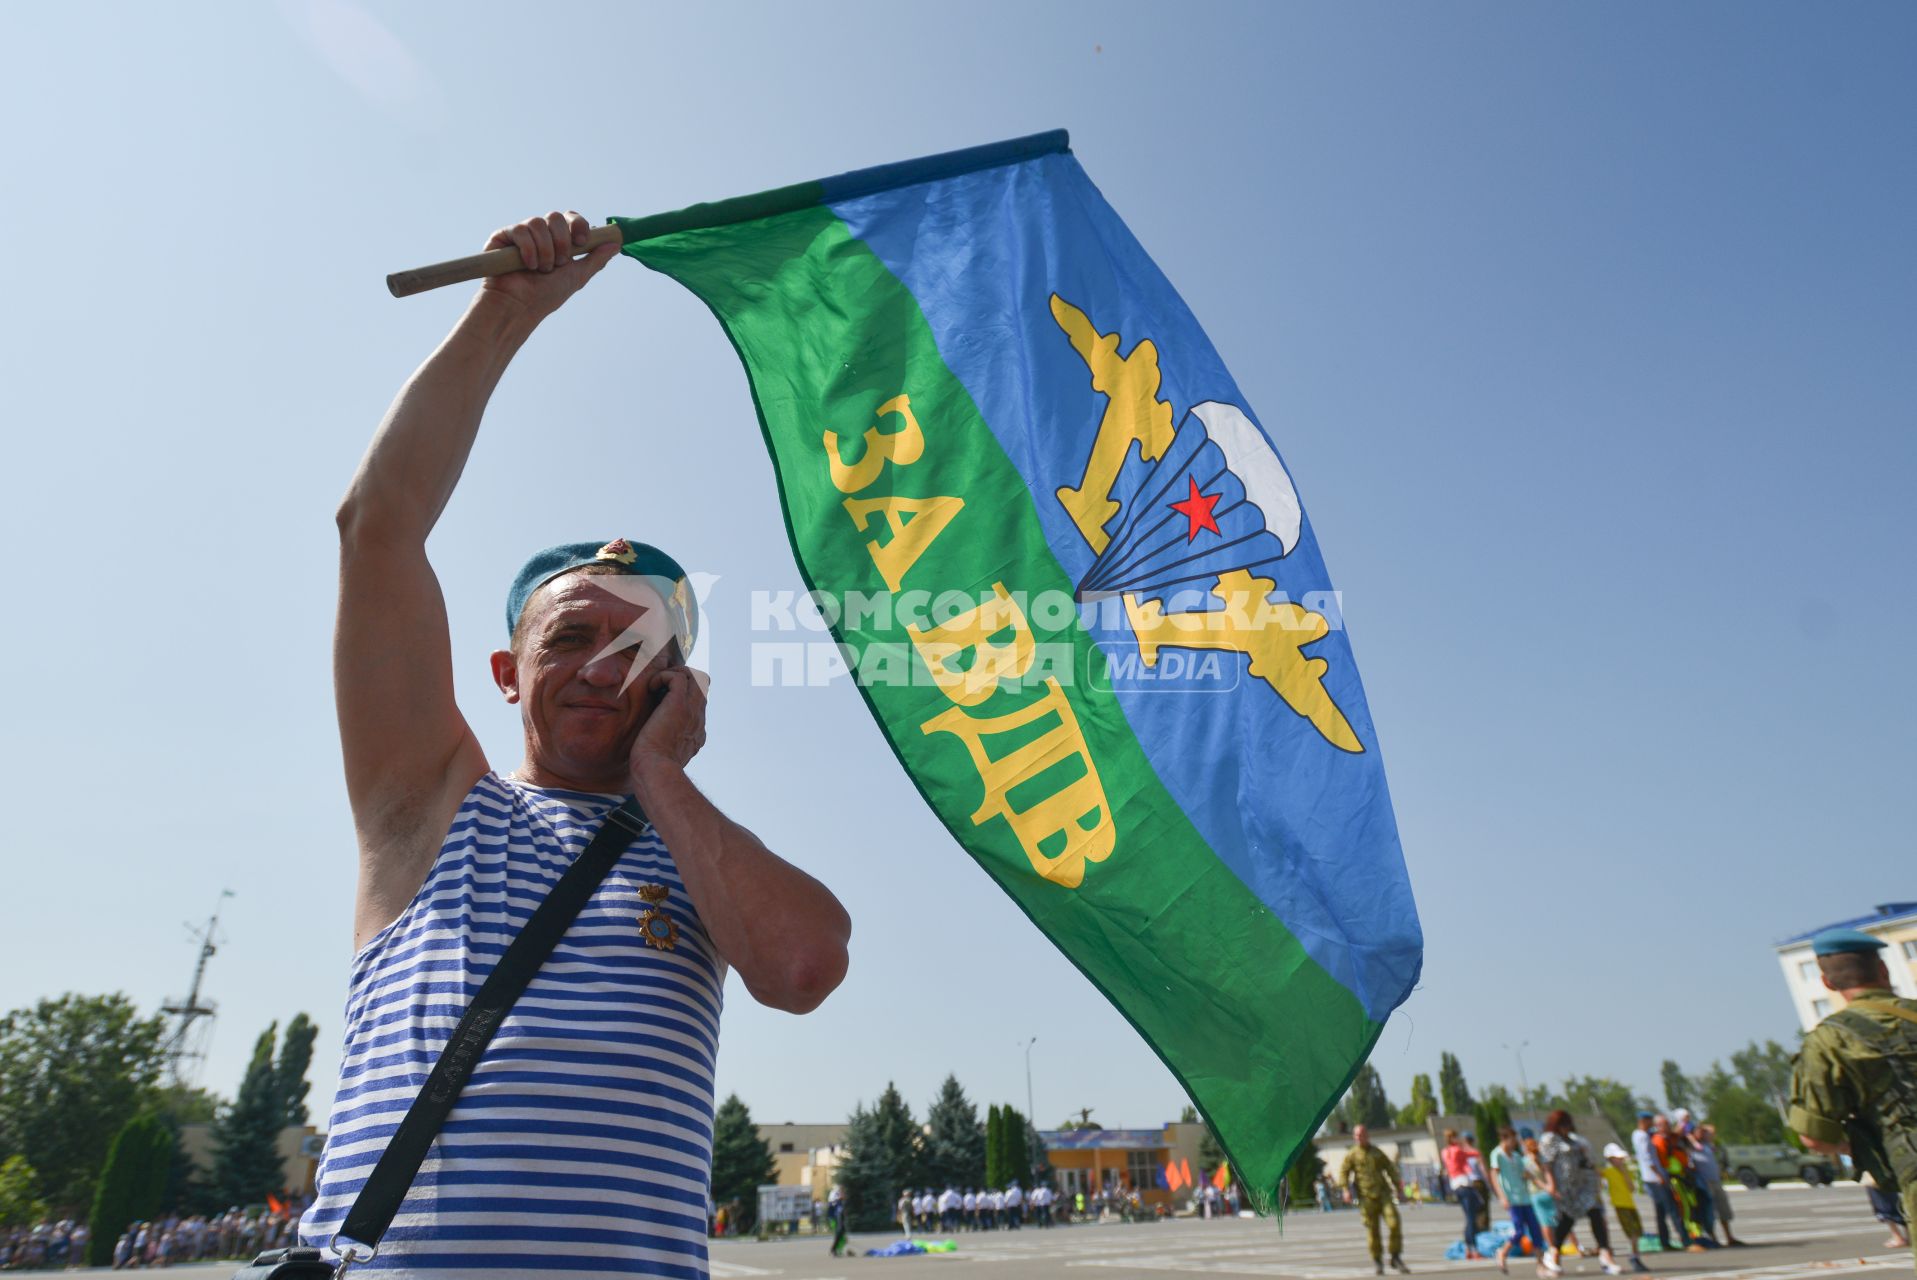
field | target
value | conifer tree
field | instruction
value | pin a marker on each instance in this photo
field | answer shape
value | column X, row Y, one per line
column 131, row 1183
column 954, row 1153
column 995, row 1148
column 1366, row 1103
column 1035, row 1165
column 1452, row 1090
column 246, row 1158
column 289, row 1073
column 1423, row 1104
column 861, row 1174
column 1301, row 1180
column 741, row 1160
column 882, row 1157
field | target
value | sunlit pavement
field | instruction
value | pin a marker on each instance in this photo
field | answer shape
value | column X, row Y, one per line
column 1793, row 1232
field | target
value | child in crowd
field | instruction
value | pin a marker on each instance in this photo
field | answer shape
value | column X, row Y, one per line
column 1617, row 1181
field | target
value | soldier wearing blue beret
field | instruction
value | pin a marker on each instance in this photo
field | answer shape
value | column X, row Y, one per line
column 583, row 1141
column 1854, row 1088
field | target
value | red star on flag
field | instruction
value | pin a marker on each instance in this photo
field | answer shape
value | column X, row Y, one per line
column 1197, row 509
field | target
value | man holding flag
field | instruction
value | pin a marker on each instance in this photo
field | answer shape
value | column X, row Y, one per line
column 976, row 385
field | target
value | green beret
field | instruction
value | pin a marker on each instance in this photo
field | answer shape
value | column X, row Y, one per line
column 1837, row 942
column 637, row 559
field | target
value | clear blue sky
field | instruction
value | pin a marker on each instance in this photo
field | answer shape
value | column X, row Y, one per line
column 1588, row 333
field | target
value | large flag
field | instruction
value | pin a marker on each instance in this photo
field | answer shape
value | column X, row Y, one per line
column 1083, row 601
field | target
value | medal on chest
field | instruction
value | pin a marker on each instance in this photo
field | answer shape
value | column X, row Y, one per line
column 655, row 926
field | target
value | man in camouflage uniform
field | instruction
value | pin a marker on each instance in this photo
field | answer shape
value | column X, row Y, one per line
column 1855, row 1087
column 1379, row 1195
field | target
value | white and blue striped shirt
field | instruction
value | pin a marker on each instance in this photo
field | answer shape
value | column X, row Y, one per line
column 583, row 1141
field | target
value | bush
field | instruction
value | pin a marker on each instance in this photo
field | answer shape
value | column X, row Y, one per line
column 131, row 1184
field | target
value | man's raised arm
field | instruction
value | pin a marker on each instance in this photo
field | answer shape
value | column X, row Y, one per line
column 409, row 754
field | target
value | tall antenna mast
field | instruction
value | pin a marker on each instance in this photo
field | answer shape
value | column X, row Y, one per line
column 185, row 1046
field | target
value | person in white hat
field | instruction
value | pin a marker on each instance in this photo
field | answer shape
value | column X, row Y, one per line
column 1617, row 1184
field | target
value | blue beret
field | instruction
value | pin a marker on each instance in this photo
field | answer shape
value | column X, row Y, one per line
column 638, row 559
column 1837, row 942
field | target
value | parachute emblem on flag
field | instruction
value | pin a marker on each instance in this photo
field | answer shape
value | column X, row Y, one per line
column 1214, row 505
column 1239, row 511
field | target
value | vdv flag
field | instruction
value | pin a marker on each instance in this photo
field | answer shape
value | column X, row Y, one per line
column 1083, row 601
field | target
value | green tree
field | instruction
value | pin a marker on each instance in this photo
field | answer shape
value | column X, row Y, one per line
column 1034, row 1165
column 1210, row 1153
column 904, row 1140
column 131, row 1184
column 1414, row 1113
column 881, row 1157
column 1490, row 1116
column 1014, row 1149
column 189, row 1105
column 20, row 1202
column 1366, row 1103
column 1616, row 1101
column 1742, row 1115
column 741, row 1160
column 863, row 1174
column 246, row 1158
column 1679, row 1089
column 1766, row 1071
column 289, row 1073
column 72, row 1072
column 1301, row 1180
column 1453, row 1092
column 954, row 1153
column 995, row 1148
column 186, row 1191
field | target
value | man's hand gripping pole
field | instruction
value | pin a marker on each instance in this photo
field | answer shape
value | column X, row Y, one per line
column 493, row 262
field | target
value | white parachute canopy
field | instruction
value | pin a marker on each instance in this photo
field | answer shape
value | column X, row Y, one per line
column 1256, row 464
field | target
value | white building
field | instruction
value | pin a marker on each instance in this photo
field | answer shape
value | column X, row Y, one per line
column 1894, row 922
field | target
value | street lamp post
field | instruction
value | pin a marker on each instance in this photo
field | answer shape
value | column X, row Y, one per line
column 1523, row 1083
column 1030, row 1116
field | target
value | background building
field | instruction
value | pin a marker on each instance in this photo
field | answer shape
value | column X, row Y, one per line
column 1118, row 1160
column 1894, row 922
column 299, row 1151
column 804, row 1154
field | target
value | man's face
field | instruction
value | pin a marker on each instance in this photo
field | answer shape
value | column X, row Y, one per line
column 1662, row 1124
column 1361, row 1136
column 580, row 701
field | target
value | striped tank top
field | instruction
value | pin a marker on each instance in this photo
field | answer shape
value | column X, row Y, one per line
column 583, row 1141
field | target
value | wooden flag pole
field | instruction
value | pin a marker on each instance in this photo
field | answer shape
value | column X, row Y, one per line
column 493, row 262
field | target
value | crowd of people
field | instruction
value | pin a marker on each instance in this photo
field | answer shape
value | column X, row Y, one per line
column 45, row 1246
column 923, row 1211
column 977, row 1209
column 159, row 1242
column 1551, row 1185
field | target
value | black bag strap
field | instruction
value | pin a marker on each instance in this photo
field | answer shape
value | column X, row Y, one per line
column 387, row 1185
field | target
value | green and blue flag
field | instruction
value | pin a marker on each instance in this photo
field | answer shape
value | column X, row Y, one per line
column 1084, row 602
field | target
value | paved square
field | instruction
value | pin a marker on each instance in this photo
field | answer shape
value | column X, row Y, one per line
column 1794, row 1232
